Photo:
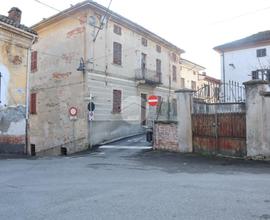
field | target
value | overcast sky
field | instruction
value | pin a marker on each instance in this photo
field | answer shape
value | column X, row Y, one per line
column 193, row 25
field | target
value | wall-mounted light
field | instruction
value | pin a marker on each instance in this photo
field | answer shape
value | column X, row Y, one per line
column 232, row 65
column 81, row 66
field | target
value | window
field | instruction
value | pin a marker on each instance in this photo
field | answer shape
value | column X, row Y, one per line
column 144, row 42
column 117, row 53
column 117, row 29
column 261, row 52
column 174, row 57
column 255, row 75
column 174, row 73
column 174, row 107
column 34, row 61
column 158, row 48
column 33, row 103
column 206, row 90
column 117, row 101
column 143, row 63
column 158, row 66
column 193, row 85
column 183, row 83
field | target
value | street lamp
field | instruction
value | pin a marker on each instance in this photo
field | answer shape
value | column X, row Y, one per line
column 81, row 66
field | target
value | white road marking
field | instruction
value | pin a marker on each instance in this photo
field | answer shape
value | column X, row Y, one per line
column 125, row 147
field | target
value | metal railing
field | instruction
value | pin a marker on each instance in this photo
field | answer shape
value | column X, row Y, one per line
column 148, row 76
column 230, row 91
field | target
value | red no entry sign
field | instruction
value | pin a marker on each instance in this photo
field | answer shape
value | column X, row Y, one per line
column 153, row 100
column 73, row 111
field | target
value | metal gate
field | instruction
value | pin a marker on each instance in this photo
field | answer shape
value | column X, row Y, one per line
column 220, row 133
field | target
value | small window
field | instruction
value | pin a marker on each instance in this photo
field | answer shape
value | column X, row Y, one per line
column 194, row 73
column 183, row 83
column 174, row 107
column 158, row 66
column 255, row 75
column 117, row 53
column 261, row 52
column 206, row 90
column 174, row 73
column 174, row 57
column 34, row 61
column 144, row 42
column 33, row 103
column 158, row 48
column 117, row 29
column 117, row 101
column 193, row 85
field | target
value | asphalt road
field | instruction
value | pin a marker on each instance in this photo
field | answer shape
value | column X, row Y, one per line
column 126, row 180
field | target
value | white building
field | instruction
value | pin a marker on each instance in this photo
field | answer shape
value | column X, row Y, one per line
column 245, row 59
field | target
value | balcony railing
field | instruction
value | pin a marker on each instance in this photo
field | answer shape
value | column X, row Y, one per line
column 146, row 76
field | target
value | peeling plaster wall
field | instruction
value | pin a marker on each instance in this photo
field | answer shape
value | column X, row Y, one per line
column 58, row 87
column 57, row 82
column 13, row 67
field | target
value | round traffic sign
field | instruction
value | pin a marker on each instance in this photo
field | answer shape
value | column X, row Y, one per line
column 153, row 100
column 73, row 111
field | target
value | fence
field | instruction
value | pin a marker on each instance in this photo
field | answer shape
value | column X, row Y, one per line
column 224, row 92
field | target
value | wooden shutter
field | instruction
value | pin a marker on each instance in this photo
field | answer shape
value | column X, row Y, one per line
column 34, row 61
column 117, row 101
column 174, row 73
column 117, row 53
column 33, row 103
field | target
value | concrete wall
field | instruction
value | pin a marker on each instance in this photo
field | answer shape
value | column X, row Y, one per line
column 258, row 119
column 14, row 46
column 244, row 62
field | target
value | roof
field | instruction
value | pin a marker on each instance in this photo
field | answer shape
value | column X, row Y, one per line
column 212, row 79
column 9, row 21
column 182, row 61
column 250, row 41
column 122, row 20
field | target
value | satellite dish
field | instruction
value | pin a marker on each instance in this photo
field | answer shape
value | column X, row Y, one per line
column 92, row 20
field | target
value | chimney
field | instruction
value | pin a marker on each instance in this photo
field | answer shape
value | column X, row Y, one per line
column 15, row 15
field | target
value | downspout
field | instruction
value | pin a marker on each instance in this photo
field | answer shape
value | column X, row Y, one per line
column 27, row 95
column 223, row 75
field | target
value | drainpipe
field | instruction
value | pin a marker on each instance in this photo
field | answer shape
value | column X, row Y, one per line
column 223, row 75
column 27, row 94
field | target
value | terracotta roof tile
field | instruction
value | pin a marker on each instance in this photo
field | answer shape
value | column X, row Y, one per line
column 9, row 21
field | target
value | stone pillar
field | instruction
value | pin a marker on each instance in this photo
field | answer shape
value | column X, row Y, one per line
column 258, row 118
column 184, row 110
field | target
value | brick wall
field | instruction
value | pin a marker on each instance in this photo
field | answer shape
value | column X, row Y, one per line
column 165, row 136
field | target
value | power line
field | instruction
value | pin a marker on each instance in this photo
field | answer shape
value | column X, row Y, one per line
column 242, row 15
column 106, row 13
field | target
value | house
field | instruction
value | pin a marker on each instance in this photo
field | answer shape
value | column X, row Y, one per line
column 88, row 56
column 209, row 88
column 190, row 73
column 246, row 59
column 15, row 43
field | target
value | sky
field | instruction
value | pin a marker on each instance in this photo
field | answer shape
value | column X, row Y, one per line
column 193, row 25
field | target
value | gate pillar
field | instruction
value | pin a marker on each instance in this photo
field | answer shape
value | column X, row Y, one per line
column 184, row 110
column 258, row 118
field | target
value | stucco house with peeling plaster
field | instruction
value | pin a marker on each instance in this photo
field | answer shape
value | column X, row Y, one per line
column 88, row 54
column 15, row 44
